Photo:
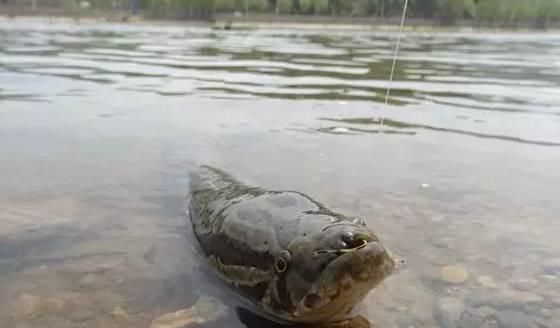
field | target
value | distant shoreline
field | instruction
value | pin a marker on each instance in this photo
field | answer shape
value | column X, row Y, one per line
column 255, row 21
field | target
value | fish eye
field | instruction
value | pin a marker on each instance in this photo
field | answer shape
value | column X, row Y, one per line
column 281, row 263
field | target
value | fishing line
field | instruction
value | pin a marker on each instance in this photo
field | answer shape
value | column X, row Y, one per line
column 395, row 57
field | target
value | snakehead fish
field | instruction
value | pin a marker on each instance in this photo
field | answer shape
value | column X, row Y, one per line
column 290, row 256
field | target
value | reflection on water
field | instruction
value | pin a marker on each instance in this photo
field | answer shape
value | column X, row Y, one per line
column 403, row 125
column 100, row 124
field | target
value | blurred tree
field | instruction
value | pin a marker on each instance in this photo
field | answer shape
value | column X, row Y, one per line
column 335, row 7
column 490, row 10
column 539, row 13
column 314, row 7
column 257, row 5
column 296, row 7
column 546, row 11
column 425, row 8
column 449, row 11
column 284, row 6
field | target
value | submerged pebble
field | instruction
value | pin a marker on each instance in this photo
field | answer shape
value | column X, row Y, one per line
column 454, row 274
column 503, row 300
column 476, row 317
column 80, row 314
column 524, row 284
column 27, row 305
column 448, row 311
column 487, row 282
column 546, row 313
column 520, row 297
column 490, row 324
column 512, row 319
column 89, row 281
column 469, row 320
column 544, row 323
column 54, row 304
column 119, row 312
column 551, row 266
column 204, row 310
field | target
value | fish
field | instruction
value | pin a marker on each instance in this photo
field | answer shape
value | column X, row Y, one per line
column 291, row 257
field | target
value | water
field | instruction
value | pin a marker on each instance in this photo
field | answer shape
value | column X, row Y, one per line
column 100, row 124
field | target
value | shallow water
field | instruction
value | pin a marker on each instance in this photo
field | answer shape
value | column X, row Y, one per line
column 100, row 124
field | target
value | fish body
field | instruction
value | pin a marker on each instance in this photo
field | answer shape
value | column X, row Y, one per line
column 290, row 256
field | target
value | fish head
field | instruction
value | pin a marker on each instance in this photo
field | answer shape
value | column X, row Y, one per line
column 332, row 269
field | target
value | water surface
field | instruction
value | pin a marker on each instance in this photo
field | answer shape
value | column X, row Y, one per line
column 100, row 124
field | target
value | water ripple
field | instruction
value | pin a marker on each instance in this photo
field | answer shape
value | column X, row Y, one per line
column 467, row 73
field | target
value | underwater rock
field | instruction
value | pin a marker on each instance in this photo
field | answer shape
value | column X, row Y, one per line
column 490, row 324
column 474, row 318
column 509, row 299
column 524, row 284
column 204, row 310
column 120, row 313
column 487, row 282
column 448, row 311
column 27, row 306
column 454, row 274
column 551, row 266
column 512, row 319
column 80, row 314
column 89, row 281
column 546, row 313
column 54, row 304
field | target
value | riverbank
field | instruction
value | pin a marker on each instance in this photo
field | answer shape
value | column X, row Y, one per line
column 250, row 21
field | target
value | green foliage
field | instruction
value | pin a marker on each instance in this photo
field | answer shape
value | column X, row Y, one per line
column 360, row 7
column 548, row 8
column 102, row 4
column 257, row 5
column 514, row 12
column 492, row 12
column 224, row 5
column 451, row 10
column 284, row 6
column 314, row 7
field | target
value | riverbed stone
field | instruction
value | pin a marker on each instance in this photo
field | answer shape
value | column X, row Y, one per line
column 454, row 274
column 544, row 323
column 518, row 297
column 469, row 320
column 512, row 319
column 551, row 266
column 120, row 313
column 487, row 282
column 490, row 324
column 27, row 305
column 475, row 317
column 89, row 280
column 546, row 313
column 54, row 304
column 80, row 314
column 509, row 299
column 524, row 284
column 204, row 310
column 448, row 311
column 479, row 298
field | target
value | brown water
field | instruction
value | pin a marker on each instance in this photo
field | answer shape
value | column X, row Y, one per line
column 100, row 123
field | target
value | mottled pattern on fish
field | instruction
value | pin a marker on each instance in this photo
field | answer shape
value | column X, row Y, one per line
column 291, row 256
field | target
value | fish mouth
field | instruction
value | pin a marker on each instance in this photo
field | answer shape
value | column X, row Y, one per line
column 346, row 280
